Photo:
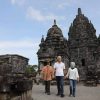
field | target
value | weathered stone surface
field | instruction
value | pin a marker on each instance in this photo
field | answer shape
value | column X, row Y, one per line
column 83, row 43
column 14, row 85
column 12, row 64
column 24, row 96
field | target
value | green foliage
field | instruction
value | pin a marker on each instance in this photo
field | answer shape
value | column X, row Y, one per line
column 29, row 69
column 35, row 67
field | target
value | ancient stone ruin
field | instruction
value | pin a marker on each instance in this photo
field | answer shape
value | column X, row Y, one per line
column 82, row 47
column 14, row 85
column 55, row 44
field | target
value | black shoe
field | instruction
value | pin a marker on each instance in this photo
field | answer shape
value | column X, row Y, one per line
column 73, row 95
column 62, row 95
column 45, row 92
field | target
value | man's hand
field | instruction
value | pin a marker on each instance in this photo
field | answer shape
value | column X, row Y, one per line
column 53, row 77
column 66, row 77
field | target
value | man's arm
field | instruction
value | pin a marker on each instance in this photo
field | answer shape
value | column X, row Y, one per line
column 54, row 68
column 67, row 75
column 64, row 69
column 52, row 73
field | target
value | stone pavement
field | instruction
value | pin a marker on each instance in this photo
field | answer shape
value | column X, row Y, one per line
column 83, row 93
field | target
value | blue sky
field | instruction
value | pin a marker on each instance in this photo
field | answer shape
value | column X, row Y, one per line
column 23, row 22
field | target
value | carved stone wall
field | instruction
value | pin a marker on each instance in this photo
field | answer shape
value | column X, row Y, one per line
column 14, row 85
column 82, row 43
column 12, row 63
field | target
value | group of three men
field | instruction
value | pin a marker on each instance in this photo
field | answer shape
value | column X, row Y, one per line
column 48, row 73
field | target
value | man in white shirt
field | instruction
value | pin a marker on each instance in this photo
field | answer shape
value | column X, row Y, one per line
column 59, row 67
column 73, row 78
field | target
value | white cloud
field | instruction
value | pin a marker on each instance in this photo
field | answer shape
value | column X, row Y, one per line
column 63, row 5
column 18, row 2
column 35, row 14
column 15, row 44
column 69, row 3
column 25, row 48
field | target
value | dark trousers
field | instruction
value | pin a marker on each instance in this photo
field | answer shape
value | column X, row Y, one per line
column 47, row 86
column 72, row 87
column 60, row 84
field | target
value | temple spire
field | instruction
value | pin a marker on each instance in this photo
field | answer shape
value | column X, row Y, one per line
column 42, row 36
column 99, row 36
column 42, row 40
column 54, row 22
column 79, row 11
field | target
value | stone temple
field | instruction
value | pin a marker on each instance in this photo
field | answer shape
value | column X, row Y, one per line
column 55, row 44
column 82, row 46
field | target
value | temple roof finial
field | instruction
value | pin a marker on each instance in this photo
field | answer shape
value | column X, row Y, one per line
column 99, row 36
column 42, row 40
column 54, row 22
column 42, row 36
column 79, row 11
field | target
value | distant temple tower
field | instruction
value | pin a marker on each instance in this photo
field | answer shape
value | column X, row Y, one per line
column 82, row 43
column 54, row 45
